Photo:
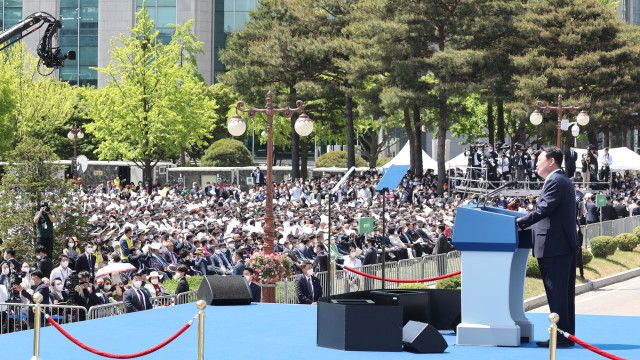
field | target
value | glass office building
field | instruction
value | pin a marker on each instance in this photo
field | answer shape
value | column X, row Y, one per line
column 163, row 14
column 80, row 34
column 230, row 16
column 10, row 13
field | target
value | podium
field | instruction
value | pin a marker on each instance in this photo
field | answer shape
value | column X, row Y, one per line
column 494, row 264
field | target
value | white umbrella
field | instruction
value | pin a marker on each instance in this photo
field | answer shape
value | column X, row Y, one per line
column 115, row 268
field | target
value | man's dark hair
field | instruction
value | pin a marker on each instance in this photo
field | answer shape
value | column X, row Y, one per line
column 250, row 270
column 38, row 273
column 41, row 249
column 182, row 268
column 10, row 251
column 84, row 274
column 554, row 153
column 239, row 253
column 63, row 256
column 441, row 227
column 127, row 229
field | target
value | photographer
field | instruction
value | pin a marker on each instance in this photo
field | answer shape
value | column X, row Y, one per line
column 58, row 295
column 44, row 220
column 41, row 288
column 86, row 293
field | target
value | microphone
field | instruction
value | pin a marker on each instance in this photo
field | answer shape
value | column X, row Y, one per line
column 495, row 191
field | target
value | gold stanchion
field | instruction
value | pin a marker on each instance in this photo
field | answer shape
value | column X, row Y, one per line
column 37, row 298
column 201, row 304
column 553, row 335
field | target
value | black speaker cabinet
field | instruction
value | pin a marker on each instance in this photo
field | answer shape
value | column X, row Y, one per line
column 224, row 290
column 359, row 325
column 422, row 338
column 415, row 304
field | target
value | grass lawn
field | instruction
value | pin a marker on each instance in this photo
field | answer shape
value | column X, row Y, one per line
column 598, row 268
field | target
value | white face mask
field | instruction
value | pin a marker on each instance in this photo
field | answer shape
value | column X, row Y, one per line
column 6, row 256
column 137, row 284
column 89, row 250
column 32, row 283
column 58, row 287
column 352, row 254
column 310, row 272
column 71, row 244
column 107, row 287
column 25, row 269
column 154, row 281
column 64, row 264
column 248, row 277
column 5, row 271
column 289, row 246
column 38, row 257
column 218, row 252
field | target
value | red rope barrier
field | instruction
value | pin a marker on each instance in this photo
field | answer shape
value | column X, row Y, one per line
column 117, row 356
column 589, row 347
column 402, row 281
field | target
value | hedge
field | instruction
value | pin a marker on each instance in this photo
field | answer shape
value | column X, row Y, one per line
column 454, row 282
column 626, row 241
column 338, row 159
column 587, row 256
column 227, row 152
column 602, row 246
column 533, row 270
column 413, row 286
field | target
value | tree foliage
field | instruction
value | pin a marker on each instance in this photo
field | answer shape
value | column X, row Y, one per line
column 154, row 105
column 227, row 152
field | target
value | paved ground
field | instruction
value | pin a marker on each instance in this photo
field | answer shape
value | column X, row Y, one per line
column 616, row 299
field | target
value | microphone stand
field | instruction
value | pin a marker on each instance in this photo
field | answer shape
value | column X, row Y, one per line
column 495, row 191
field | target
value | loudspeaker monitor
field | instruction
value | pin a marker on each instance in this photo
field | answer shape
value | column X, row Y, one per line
column 422, row 338
column 224, row 290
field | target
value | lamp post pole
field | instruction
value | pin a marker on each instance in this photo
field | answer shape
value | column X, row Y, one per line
column 236, row 127
column 560, row 108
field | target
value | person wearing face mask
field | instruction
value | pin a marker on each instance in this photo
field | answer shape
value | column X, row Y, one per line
column 72, row 252
column 9, row 259
column 352, row 261
column 87, row 261
column 86, row 293
column 256, row 291
column 238, row 261
column 5, row 275
column 136, row 298
column 62, row 272
column 44, row 263
column 308, row 288
column 219, row 263
column 58, row 295
column 153, row 286
column 183, row 285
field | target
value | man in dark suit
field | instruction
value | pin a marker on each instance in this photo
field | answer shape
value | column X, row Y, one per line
column 308, row 288
column 238, row 260
column 570, row 158
column 608, row 212
column 87, row 294
column 621, row 209
column 555, row 240
column 87, row 261
column 137, row 298
column 256, row 291
column 183, row 285
column 44, row 263
column 441, row 248
column 258, row 177
column 592, row 212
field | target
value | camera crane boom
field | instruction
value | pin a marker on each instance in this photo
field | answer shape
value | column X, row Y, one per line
column 50, row 56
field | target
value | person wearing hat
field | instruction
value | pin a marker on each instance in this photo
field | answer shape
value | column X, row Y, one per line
column 308, row 288
column 136, row 298
column 153, row 286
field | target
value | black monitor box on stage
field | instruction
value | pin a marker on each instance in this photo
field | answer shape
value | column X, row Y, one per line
column 422, row 338
column 359, row 325
column 415, row 304
column 224, row 290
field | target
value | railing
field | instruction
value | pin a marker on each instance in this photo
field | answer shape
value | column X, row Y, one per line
column 609, row 228
column 18, row 317
column 345, row 281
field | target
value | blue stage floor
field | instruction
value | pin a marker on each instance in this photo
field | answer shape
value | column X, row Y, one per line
column 286, row 332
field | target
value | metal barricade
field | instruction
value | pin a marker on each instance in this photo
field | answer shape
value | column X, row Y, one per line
column 18, row 317
column 187, row 297
column 609, row 228
column 163, row 301
column 106, row 310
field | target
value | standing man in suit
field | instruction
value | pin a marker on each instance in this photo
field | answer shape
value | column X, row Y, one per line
column 137, row 298
column 256, row 291
column 570, row 159
column 441, row 247
column 183, row 285
column 238, row 261
column 555, row 240
column 87, row 261
column 308, row 288
column 44, row 263
column 592, row 213
column 258, row 177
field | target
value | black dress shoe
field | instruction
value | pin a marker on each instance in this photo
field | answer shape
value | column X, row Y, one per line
column 560, row 344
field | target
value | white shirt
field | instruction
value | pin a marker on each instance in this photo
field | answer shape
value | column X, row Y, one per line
column 61, row 273
column 607, row 159
column 355, row 263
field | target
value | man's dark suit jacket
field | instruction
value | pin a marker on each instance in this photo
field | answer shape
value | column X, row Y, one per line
column 570, row 162
column 238, row 268
column 553, row 219
column 183, row 286
column 132, row 302
column 608, row 212
column 256, row 292
column 302, row 292
column 635, row 211
column 593, row 214
column 82, row 264
column 621, row 211
column 370, row 256
column 45, row 265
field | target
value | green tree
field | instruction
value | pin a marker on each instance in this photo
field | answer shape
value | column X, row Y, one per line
column 152, row 107
column 30, row 178
column 227, row 152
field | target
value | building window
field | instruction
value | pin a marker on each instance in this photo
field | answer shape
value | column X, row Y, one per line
column 163, row 13
column 80, row 34
column 230, row 16
column 10, row 13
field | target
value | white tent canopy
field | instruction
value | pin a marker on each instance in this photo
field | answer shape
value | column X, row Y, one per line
column 460, row 161
column 404, row 158
column 623, row 159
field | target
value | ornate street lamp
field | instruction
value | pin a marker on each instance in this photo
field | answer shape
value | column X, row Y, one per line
column 582, row 118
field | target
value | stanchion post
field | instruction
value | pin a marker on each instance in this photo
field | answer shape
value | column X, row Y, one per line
column 553, row 335
column 201, row 304
column 37, row 298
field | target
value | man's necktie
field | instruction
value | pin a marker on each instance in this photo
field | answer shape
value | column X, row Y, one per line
column 142, row 300
column 310, row 287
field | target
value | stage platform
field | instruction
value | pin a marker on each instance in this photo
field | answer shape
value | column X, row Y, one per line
column 265, row 331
